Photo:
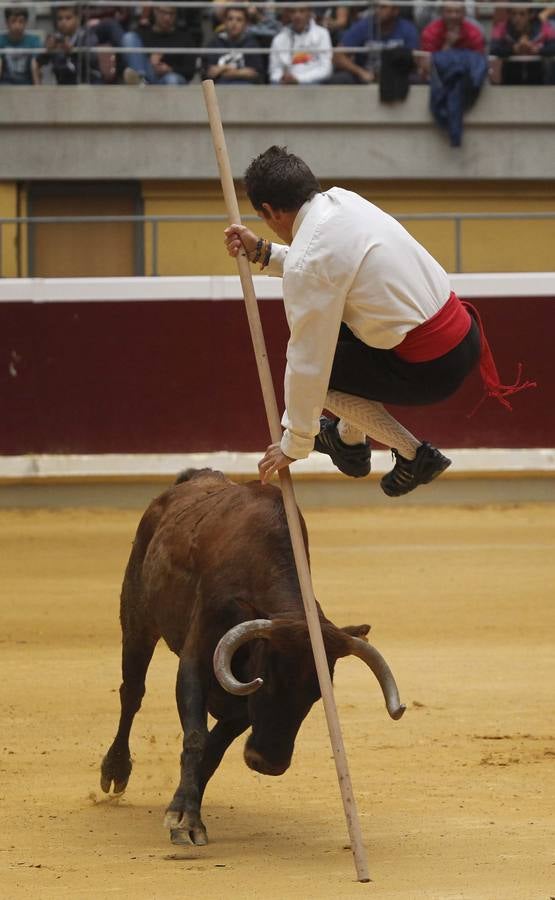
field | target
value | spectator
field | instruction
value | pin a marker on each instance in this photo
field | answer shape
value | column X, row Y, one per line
column 69, row 66
column 548, row 15
column 457, row 47
column 187, row 20
column 301, row 53
column 263, row 24
column 337, row 19
column 18, row 68
column 425, row 12
column 453, row 31
column 233, row 66
column 523, row 34
column 383, row 30
column 159, row 68
column 109, row 24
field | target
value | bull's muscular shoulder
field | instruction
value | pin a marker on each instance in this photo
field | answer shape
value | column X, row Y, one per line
column 204, row 477
column 206, row 497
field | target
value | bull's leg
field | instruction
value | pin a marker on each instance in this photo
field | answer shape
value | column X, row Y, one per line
column 136, row 655
column 183, row 814
column 220, row 737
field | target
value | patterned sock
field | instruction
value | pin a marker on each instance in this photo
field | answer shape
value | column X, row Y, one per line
column 371, row 418
column 349, row 433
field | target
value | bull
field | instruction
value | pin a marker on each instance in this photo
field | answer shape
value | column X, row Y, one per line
column 212, row 572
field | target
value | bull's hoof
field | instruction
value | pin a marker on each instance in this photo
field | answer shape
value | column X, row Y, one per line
column 116, row 772
column 183, row 832
column 180, row 836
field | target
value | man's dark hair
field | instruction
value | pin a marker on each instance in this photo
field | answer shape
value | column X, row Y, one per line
column 240, row 9
column 16, row 11
column 280, row 179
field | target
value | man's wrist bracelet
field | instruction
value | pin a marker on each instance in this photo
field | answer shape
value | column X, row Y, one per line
column 267, row 255
column 258, row 250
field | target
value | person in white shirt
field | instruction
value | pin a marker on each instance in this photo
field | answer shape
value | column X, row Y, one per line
column 301, row 53
column 372, row 320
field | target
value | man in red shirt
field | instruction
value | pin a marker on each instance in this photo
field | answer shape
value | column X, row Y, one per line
column 452, row 31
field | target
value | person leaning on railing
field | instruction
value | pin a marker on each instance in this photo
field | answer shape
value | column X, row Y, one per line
column 382, row 30
column 18, row 68
column 301, row 53
column 231, row 65
column 157, row 67
column 337, row 19
column 524, row 33
column 64, row 50
column 453, row 31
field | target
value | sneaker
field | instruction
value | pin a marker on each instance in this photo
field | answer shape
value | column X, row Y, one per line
column 351, row 459
column 407, row 474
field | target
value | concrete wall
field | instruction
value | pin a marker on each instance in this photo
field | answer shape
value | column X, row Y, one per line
column 121, row 132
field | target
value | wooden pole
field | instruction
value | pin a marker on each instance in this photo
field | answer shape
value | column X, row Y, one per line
column 303, row 570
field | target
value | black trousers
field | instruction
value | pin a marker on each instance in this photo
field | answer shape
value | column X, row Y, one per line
column 381, row 375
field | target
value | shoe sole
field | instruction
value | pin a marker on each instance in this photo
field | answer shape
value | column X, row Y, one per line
column 439, row 472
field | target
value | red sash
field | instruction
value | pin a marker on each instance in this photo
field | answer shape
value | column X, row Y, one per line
column 436, row 337
column 444, row 331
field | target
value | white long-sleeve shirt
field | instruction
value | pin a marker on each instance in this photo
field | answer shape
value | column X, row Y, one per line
column 348, row 262
column 306, row 55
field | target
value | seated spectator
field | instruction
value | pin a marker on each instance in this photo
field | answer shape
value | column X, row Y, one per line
column 383, row 30
column 187, row 20
column 548, row 15
column 18, row 68
column 460, row 67
column 425, row 12
column 263, row 24
column 301, row 53
column 109, row 24
column 69, row 66
column 159, row 68
column 337, row 19
column 453, row 31
column 232, row 66
column 523, row 34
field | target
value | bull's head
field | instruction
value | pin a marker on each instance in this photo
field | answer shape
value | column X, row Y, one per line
column 290, row 681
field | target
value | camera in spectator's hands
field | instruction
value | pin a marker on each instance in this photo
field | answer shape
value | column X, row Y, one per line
column 57, row 43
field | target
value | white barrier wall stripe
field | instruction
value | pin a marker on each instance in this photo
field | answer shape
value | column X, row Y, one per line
column 465, row 462
column 228, row 287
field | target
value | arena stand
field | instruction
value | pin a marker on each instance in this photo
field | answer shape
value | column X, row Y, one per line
column 99, row 48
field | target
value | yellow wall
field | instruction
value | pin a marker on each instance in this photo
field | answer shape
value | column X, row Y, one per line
column 489, row 246
column 194, row 248
column 197, row 248
column 98, row 250
column 13, row 245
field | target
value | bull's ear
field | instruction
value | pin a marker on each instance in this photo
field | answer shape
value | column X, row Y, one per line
column 249, row 607
column 359, row 631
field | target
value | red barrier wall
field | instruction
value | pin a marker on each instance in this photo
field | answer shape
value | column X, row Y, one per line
column 170, row 376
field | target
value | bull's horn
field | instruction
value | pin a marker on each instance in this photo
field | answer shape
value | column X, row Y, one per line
column 228, row 644
column 383, row 673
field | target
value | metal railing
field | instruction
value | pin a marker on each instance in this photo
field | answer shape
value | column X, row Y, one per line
column 270, row 5
column 154, row 221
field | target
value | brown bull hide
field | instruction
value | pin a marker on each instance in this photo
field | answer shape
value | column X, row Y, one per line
column 210, row 554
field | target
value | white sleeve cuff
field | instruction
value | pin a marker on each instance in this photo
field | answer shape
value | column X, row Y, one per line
column 277, row 259
column 296, row 446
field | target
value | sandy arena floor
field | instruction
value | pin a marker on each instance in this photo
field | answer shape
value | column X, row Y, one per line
column 456, row 800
